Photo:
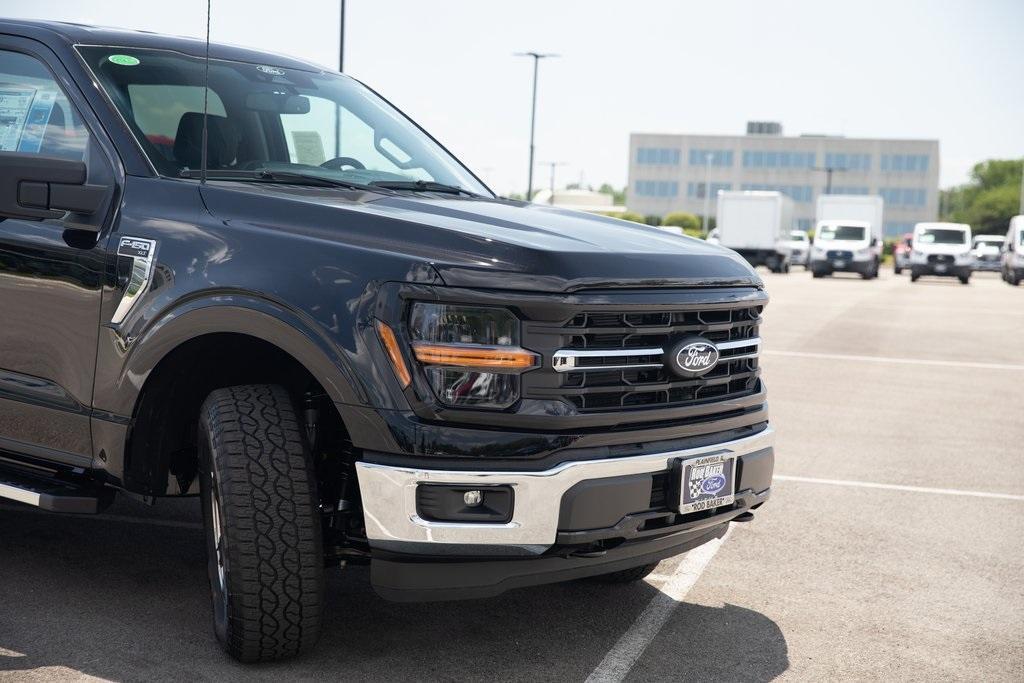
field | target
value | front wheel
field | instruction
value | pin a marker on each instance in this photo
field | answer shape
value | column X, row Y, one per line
column 914, row 277
column 263, row 533
column 897, row 270
column 965, row 279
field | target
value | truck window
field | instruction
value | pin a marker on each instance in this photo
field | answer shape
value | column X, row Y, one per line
column 841, row 232
column 35, row 115
column 942, row 236
column 329, row 131
column 158, row 110
column 266, row 118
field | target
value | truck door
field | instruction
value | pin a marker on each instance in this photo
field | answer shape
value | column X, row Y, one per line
column 51, row 270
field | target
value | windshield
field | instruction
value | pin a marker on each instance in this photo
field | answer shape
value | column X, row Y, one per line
column 798, row 236
column 848, row 233
column 264, row 117
column 942, row 236
column 989, row 242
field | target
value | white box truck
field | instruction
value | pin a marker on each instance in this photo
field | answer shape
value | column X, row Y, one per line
column 757, row 225
column 848, row 235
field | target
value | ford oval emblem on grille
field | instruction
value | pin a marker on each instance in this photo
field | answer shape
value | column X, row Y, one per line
column 693, row 357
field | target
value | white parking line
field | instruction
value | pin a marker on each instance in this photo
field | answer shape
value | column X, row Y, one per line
column 887, row 359
column 899, row 487
column 621, row 658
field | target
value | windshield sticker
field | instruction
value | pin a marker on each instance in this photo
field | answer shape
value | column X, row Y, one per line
column 14, row 106
column 309, row 148
column 123, row 60
column 36, row 122
column 273, row 71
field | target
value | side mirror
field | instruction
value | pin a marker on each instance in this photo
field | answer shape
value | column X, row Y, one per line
column 37, row 187
column 874, row 241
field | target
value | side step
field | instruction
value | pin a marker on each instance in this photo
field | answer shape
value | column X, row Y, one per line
column 53, row 494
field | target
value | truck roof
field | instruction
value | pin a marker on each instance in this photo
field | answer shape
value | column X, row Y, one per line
column 67, row 34
column 842, row 221
column 947, row 226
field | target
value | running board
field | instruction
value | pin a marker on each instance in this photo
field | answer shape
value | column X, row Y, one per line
column 55, row 495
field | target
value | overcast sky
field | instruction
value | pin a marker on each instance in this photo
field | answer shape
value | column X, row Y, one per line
column 864, row 68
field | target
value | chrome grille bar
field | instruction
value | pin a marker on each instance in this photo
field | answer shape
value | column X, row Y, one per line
column 565, row 360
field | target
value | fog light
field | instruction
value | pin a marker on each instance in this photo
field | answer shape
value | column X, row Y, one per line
column 462, row 503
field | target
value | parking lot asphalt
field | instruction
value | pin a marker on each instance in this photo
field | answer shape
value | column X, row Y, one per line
column 916, row 387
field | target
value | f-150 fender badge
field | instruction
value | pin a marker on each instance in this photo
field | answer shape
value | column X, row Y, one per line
column 141, row 252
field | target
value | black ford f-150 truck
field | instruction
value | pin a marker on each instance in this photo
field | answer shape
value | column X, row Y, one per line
column 344, row 342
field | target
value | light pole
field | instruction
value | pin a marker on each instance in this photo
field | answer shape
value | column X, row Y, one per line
column 341, row 41
column 829, row 170
column 553, row 165
column 1022, row 187
column 537, row 56
column 707, row 193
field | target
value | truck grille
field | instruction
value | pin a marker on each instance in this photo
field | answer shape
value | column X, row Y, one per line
column 609, row 360
column 838, row 254
column 940, row 258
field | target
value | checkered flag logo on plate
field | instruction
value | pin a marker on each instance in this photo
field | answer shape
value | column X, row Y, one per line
column 695, row 489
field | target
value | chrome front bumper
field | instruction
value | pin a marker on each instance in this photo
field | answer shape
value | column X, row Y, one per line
column 392, row 523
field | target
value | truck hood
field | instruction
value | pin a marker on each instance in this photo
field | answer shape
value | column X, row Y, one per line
column 486, row 243
column 842, row 245
column 954, row 249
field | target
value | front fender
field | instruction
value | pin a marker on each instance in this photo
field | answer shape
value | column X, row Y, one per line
column 124, row 366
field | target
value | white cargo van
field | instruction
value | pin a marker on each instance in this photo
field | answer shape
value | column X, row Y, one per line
column 757, row 225
column 848, row 235
column 942, row 249
column 1013, row 252
column 986, row 251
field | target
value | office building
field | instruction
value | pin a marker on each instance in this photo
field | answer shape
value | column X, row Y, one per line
column 685, row 172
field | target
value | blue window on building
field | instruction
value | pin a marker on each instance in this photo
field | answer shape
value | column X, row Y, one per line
column 849, row 189
column 848, row 161
column 696, row 190
column 898, row 228
column 658, row 155
column 903, row 196
column 656, row 188
column 905, row 163
column 798, row 193
column 712, row 157
column 777, row 159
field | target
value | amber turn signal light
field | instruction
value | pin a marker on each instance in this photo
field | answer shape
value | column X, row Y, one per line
column 390, row 342
column 490, row 357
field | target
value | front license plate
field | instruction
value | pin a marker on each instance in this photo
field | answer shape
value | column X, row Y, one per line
column 839, row 264
column 940, row 268
column 707, row 482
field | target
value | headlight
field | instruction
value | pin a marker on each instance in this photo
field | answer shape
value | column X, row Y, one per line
column 470, row 354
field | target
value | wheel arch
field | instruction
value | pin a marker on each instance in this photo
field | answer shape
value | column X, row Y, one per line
column 201, row 346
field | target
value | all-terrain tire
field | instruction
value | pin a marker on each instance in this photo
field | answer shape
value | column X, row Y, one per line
column 627, row 575
column 258, row 488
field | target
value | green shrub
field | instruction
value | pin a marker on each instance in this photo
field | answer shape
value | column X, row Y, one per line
column 628, row 216
column 680, row 219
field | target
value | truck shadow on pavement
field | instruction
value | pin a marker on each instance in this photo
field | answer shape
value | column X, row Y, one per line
column 117, row 600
